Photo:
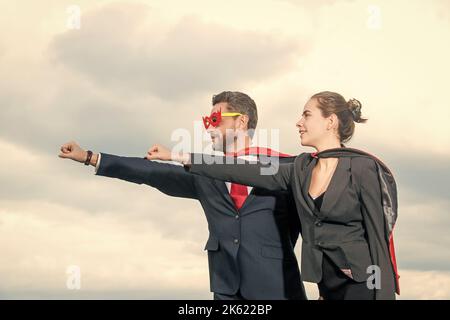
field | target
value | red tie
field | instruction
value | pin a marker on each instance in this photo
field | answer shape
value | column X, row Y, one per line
column 238, row 193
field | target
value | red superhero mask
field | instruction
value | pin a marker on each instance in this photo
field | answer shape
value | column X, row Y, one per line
column 216, row 117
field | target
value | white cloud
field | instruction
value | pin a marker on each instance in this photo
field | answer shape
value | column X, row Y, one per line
column 425, row 285
column 114, row 252
column 170, row 61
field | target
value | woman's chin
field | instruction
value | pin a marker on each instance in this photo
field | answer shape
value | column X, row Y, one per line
column 303, row 142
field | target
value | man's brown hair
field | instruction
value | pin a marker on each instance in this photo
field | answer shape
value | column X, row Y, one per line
column 239, row 102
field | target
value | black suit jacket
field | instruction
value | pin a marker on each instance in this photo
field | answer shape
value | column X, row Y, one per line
column 350, row 227
column 251, row 250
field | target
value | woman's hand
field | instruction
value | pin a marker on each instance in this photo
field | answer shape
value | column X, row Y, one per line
column 159, row 152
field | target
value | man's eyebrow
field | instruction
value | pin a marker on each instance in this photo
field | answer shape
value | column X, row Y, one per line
column 306, row 111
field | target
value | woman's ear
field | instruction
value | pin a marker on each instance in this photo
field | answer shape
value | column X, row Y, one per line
column 333, row 122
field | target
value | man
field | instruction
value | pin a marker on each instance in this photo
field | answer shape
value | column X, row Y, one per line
column 252, row 231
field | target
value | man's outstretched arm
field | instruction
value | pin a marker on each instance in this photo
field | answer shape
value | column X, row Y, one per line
column 170, row 179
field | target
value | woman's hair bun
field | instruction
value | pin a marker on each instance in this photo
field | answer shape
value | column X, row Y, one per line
column 354, row 107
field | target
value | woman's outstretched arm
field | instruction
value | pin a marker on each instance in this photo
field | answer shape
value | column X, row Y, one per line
column 269, row 173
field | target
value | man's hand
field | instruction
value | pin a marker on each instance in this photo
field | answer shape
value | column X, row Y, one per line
column 71, row 150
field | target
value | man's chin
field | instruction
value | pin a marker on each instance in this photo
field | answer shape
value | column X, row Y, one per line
column 217, row 147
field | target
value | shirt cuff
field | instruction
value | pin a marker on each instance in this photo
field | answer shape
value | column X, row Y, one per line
column 184, row 158
column 97, row 165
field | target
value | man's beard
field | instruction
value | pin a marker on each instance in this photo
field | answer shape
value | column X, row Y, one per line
column 217, row 143
column 220, row 143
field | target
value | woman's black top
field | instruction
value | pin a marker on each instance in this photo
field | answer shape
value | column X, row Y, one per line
column 318, row 201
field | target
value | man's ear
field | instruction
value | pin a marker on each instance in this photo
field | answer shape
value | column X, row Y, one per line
column 243, row 122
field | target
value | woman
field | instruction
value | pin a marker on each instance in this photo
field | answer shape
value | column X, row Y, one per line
column 346, row 200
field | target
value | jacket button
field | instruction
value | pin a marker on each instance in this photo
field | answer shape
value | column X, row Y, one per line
column 237, row 217
column 236, row 241
column 318, row 224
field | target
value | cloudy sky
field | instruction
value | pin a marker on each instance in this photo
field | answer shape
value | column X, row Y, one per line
column 137, row 70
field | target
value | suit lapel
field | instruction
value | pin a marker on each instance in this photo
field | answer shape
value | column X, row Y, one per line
column 305, row 181
column 225, row 194
column 338, row 184
column 247, row 201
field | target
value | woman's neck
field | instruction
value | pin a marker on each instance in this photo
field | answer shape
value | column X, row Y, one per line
column 328, row 145
column 327, row 163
